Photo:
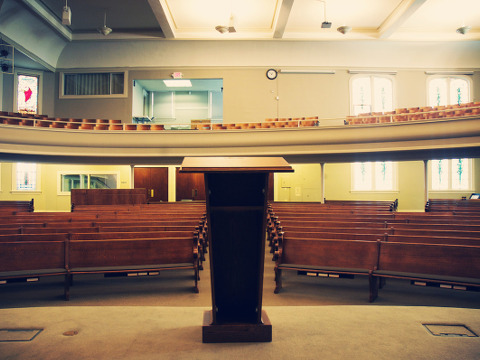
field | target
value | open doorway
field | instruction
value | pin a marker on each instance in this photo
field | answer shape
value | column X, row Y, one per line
column 196, row 102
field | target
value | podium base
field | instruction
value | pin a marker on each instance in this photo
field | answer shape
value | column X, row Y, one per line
column 237, row 332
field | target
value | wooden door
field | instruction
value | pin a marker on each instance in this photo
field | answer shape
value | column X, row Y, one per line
column 270, row 194
column 189, row 186
column 155, row 180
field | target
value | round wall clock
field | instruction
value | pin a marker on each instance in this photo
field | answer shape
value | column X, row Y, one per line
column 271, row 74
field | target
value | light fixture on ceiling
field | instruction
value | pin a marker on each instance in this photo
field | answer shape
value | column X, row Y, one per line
column 325, row 24
column 463, row 29
column 178, row 83
column 66, row 15
column 344, row 29
column 105, row 30
column 222, row 29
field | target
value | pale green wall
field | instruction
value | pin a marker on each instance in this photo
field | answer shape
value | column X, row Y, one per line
column 304, row 184
column 48, row 197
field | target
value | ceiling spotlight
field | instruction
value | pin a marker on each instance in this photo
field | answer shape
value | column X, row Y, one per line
column 344, row 29
column 222, row 29
column 325, row 24
column 105, row 30
column 66, row 15
column 463, row 29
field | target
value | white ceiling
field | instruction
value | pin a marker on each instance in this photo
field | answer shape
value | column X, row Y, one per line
column 405, row 20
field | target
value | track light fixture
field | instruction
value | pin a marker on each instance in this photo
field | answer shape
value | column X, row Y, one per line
column 223, row 29
column 105, row 30
column 463, row 29
column 344, row 29
column 66, row 15
column 325, row 24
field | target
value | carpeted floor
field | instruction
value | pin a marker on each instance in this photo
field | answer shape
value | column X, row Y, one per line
column 318, row 332
column 160, row 318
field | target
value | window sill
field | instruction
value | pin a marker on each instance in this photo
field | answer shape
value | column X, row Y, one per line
column 374, row 191
column 451, row 191
column 25, row 192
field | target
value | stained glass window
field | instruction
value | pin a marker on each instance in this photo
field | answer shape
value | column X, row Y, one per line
column 26, row 176
column 459, row 91
column 440, row 174
column 451, row 174
column 27, row 94
column 362, row 176
column 448, row 91
column 377, row 176
column 372, row 94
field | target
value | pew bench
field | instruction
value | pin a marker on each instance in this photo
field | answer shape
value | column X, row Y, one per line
column 30, row 260
column 447, row 266
column 109, row 256
column 14, row 206
column 350, row 257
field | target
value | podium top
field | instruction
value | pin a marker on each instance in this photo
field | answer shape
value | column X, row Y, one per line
column 234, row 164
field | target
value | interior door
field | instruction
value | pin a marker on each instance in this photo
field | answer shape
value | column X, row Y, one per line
column 155, row 180
column 270, row 187
column 189, row 186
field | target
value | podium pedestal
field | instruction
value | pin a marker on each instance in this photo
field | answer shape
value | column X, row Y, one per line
column 236, row 200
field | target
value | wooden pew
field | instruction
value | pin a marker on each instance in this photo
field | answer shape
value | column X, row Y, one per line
column 352, row 257
column 138, row 255
column 448, row 266
column 16, row 206
column 30, row 260
column 33, row 237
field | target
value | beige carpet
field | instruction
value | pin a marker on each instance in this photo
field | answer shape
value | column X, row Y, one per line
column 160, row 318
column 314, row 332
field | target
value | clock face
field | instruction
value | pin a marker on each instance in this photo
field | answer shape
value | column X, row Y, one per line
column 271, row 74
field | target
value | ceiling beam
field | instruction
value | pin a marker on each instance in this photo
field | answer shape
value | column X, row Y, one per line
column 161, row 17
column 38, row 8
column 285, row 10
column 401, row 14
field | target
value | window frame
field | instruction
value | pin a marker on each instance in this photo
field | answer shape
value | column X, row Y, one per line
column 371, row 76
column 373, row 176
column 471, row 179
column 61, row 91
column 38, row 182
column 449, row 78
column 38, row 74
column 88, row 173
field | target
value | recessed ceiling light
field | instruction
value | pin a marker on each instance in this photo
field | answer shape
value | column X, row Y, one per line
column 177, row 83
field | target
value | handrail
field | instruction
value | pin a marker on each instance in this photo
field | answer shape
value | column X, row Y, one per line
column 399, row 115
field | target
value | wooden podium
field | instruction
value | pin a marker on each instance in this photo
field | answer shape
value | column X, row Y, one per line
column 236, row 197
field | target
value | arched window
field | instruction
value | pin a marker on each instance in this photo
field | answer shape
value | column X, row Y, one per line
column 371, row 93
column 448, row 90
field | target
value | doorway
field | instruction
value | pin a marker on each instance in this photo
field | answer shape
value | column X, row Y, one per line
column 155, row 180
column 189, row 186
